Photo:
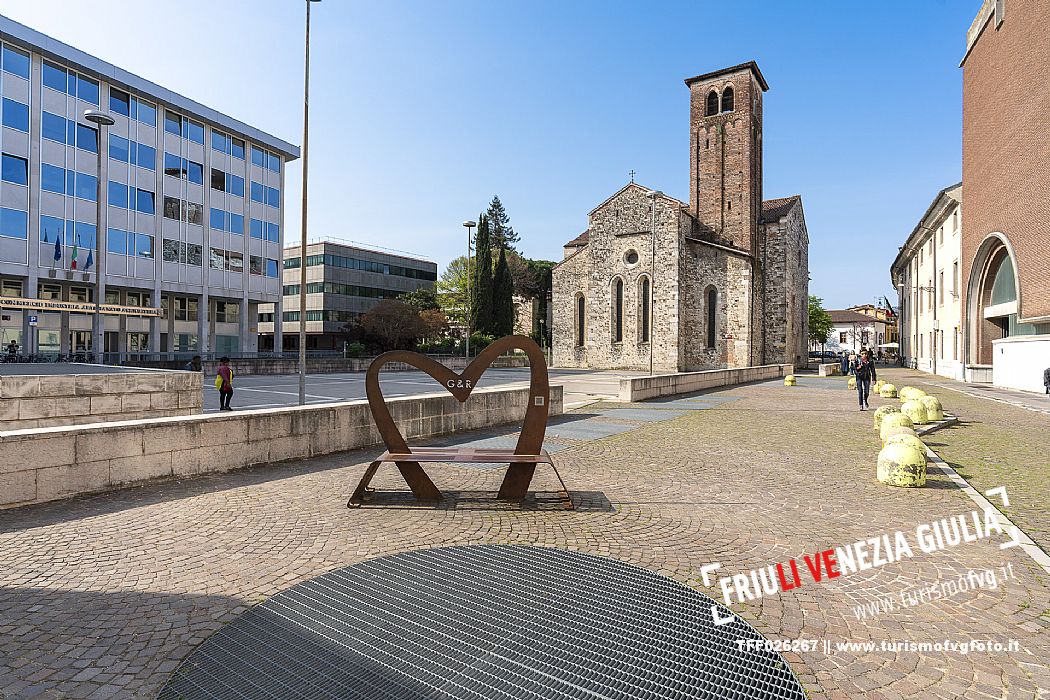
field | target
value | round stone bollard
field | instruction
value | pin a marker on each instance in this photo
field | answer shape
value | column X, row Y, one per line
column 851, row 383
column 916, row 411
column 888, row 391
column 789, row 380
column 910, row 393
column 934, row 411
column 901, row 465
column 881, row 412
column 898, row 430
column 906, row 439
column 894, row 420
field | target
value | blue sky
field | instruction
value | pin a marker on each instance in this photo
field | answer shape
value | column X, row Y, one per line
column 421, row 111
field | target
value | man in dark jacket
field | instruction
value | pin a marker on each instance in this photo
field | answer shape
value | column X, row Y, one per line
column 1046, row 379
column 864, row 371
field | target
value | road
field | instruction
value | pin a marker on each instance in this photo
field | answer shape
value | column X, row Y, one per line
column 270, row 391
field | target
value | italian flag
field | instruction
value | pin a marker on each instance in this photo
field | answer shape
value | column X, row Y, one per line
column 75, row 242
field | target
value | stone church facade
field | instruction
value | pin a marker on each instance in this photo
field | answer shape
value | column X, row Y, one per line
column 728, row 282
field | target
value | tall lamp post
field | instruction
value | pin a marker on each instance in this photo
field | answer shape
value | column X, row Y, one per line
column 302, row 241
column 654, row 195
column 98, row 338
column 469, row 225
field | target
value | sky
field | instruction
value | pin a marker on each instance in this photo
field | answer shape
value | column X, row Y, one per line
column 421, row 111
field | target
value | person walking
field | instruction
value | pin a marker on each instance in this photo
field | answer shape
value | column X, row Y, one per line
column 864, row 371
column 224, row 383
column 12, row 349
column 194, row 365
column 1046, row 379
column 845, row 363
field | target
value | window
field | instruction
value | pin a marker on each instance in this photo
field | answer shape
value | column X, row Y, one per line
column 643, row 299
column 271, row 267
column 173, row 208
column 236, row 147
column 11, row 288
column 16, row 62
column 117, row 241
column 955, row 221
column 147, row 157
column 87, row 89
column 581, row 320
column 218, row 219
column 842, row 338
column 218, row 180
column 173, row 123
column 49, row 291
column 144, row 203
column 87, row 138
column 712, row 103
column 955, row 278
column 273, row 197
column 16, row 115
column 235, row 185
column 118, row 195
column 54, row 77
column 119, row 102
column 273, row 162
column 119, row 148
column 940, row 288
column 236, row 223
column 182, row 252
column 258, row 156
column 86, row 186
column 14, row 169
column 256, row 228
column 227, row 312
column 955, row 343
column 631, row 257
column 617, row 311
column 79, row 294
column 51, row 228
column 940, row 236
column 712, row 315
column 173, row 165
column 727, row 99
column 145, row 112
column 53, row 127
column 143, row 245
column 14, row 223
column 194, row 172
column 255, row 265
column 258, row 192
column 194, row 131
column 273, row 233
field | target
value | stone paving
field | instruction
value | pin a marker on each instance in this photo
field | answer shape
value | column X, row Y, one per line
column 103, row 596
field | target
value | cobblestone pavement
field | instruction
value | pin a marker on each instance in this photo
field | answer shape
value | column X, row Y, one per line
column 103, row 596
column 995, row 444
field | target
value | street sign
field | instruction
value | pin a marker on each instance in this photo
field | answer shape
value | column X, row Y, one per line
column 32, row 320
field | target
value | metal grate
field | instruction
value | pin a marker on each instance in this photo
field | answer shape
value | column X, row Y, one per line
column 482, row 622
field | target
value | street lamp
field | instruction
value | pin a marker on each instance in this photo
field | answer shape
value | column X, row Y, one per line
column 302, row 241
column 469, row 225
column 102, row 120
column 654, row 195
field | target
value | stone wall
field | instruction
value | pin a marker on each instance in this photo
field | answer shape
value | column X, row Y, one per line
column 51, row 463
column 729, row 273
column 641, row 388
column 786, row 298
column 39, row 401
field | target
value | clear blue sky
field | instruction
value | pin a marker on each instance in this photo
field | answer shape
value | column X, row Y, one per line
column 421, row 110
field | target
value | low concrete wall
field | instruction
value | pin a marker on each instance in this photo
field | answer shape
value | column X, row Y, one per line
column 320, row 365
column 50, row 463
column 40, row 401
column 832, row 369
column 1018, row 362
column 641, row 388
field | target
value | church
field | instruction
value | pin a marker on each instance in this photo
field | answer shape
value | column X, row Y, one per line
column 721, row 281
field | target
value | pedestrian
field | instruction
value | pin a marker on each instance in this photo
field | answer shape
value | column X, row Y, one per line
column 845, row 363
column 1046, row 379
column 864, row 371
column 194, row 365
column 224, row 383
column 852, row 360
column 12, row 349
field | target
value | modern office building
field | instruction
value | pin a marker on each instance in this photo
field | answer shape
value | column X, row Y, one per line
column 343, row 282
column 192, row 229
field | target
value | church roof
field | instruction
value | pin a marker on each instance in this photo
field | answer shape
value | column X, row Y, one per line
column 847, row 316
column 580, row 240
column 732, row 69
column 774, row 209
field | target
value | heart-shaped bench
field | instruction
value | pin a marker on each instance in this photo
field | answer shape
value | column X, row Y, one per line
column 522, row 459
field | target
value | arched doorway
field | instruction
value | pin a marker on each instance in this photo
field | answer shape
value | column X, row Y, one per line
column 993, row 299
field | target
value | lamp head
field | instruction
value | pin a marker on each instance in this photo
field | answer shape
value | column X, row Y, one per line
column 98, row 117
column 470, row 224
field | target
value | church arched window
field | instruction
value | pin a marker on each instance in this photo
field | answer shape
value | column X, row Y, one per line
column 644, row 310
column 617, row 311
column 581, row 320
column 712, row 103
column 727, row 99
column 712, row 315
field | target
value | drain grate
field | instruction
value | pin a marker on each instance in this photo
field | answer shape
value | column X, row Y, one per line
column 483, row 622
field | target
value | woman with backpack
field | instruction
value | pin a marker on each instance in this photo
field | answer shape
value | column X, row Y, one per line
column 864, row 370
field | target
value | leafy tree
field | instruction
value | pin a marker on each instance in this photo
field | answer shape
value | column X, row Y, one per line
column 421, row 298
column 452, row 290
column 503, row 234
column 435, row 323
column 503, row 298
column 394, row 324
column 819, row 322
column 483, row 291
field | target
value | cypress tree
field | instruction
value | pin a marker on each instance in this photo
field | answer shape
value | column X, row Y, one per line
column 483, row 278
column 503, row 298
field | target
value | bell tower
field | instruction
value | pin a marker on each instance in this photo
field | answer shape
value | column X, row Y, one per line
column 725, row 168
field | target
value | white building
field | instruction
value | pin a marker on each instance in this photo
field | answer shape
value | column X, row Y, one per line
column 927, row 276
column 852, row 332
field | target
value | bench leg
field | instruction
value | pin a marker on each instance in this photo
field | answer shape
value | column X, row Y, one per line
column 564, row 491
column 422, row 487
column 515, row 484
column 358, row 497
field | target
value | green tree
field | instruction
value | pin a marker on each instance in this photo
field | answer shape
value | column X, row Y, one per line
column 421, row 298
column 503, row 298
column 819, row 322
column 503, row 234
column 394, row 324
column 483, row 290
column 452, row 290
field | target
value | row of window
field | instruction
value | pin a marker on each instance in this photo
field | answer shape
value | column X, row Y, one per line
column 644, row 315
column 220, row 220
column 350, row 290
column 264, row 230
column 266, row 159
column 14, row 223
column 232, row 261
column 184, row 127
column 230, row 145
column 68, row 182
column 70, row 82
column 181, row 210
column 226, row 221
column 366, row 265
column 127, row 197
column 53, row 230
column 132, row 107
column 227, row 182
column 15, row 61
column 715, row 106
column 14, row 114
column 183, row 252
column 129, row 243
column 56, row 128
column 183, row 168
column 270, row 196
column 326, row 315
column 127, row 151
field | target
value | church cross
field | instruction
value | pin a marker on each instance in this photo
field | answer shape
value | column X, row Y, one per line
column 632, row 175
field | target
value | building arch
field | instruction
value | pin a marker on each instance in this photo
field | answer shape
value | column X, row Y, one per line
column 579, row 310
column 727, row 99
column 993, row 297
column 616, row 304
column 645, row 309
column 712, row 103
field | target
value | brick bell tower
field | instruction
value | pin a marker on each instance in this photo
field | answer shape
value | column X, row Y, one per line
column 725, row 168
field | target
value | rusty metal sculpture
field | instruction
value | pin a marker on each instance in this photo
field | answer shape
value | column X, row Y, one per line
column 522, row 460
